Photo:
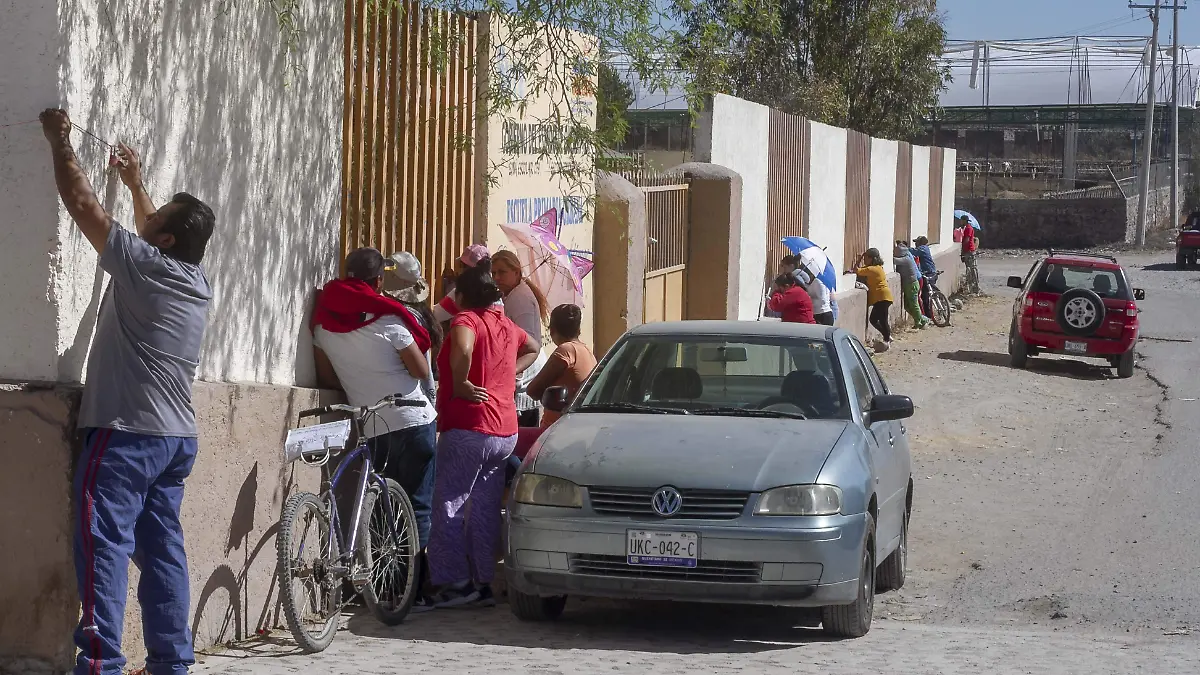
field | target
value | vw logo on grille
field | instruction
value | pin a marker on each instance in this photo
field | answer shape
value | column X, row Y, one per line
column 666, row 502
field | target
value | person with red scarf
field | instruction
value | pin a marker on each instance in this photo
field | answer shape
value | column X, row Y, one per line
column 791, row 301
column 372, row 346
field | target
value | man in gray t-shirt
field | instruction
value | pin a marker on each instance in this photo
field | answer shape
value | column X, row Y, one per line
column 136, row 414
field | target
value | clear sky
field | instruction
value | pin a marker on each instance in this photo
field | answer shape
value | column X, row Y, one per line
column 1112, row 78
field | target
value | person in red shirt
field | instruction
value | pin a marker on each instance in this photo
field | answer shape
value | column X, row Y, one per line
column 477, row 418
column 791, row 301
column 969, row 246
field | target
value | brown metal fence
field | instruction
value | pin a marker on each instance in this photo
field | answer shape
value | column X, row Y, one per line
column 937, row 167
column 858, row 197
column 903, row 225
column 668, row 218
column 408, row 177
column 787, row 183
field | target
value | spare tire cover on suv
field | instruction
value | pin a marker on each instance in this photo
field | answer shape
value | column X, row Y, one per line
column 1079, row 312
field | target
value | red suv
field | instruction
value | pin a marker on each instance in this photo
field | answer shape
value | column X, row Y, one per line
column 1187, row 244
column 1077, row 304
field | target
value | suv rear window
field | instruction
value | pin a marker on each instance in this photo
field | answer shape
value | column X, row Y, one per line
column 1058, row 278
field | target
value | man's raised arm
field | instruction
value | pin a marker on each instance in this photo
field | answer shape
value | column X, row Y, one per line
column 130, row 169
column 73, row 185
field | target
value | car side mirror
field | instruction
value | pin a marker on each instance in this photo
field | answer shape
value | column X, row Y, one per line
column 890, row 407
column 1016, row 282
column 1139, row 294
column 555, row 399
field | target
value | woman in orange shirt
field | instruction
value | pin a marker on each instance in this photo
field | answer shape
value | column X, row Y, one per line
column 571, row 362
column 872, row 274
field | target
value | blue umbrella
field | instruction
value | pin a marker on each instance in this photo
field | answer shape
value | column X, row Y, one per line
column 813, row 257
column 970, row 218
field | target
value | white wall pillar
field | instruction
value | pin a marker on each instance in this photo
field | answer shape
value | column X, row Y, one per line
column 29, row 206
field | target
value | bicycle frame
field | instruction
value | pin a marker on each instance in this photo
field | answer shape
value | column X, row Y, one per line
column 361, row 451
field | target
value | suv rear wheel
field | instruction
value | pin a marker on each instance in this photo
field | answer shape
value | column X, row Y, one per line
column 1018, row 351
column 1181, row 259
column 1125, row 365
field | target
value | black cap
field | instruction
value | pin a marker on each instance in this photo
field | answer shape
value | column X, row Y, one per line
column 367, row 263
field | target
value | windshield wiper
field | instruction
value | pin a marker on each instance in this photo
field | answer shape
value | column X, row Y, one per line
column 750, row 412
column 631, row 408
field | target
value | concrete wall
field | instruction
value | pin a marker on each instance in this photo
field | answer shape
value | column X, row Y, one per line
column 233, row 502
column 204, row 91
column 28, row 199
column 920, row 191
column 827, row 193
column 884, row 155
column 1064, row 223
column 619, row 275
column 948, row 187
column 734, row 134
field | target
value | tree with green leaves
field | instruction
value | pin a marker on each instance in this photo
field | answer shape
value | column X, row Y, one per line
column 613, row 98
column 869, row 65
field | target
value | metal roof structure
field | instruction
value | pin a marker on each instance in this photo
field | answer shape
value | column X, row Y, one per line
column 1119, row 115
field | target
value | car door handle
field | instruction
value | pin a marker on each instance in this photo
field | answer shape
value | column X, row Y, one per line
column 891, row 439
column 903, row 429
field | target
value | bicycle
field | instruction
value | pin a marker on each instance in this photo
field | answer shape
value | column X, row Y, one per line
column 376, row 552
column 936, row 306
column 971, row 275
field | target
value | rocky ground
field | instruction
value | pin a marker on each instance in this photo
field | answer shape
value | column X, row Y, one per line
column 1053, row 532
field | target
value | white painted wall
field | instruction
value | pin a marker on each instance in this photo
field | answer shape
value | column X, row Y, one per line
column 29, row 206
column 948, row 185
column 204, row 91
column 735, row 135
column 827, row 193
column 884, row 156
column 920, row 191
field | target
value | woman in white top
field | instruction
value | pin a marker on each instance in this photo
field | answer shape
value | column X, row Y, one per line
column 525, row 305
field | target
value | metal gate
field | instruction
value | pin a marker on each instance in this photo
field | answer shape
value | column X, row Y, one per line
column 667, row 215
column 408, row 177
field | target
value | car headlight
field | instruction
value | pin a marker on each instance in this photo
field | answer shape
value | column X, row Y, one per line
column 800, row 500
column 539, row 490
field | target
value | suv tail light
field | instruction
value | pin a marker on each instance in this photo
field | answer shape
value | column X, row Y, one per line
column 1131, row 310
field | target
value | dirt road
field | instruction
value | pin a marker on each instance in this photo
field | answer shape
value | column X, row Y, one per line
column 1053, row 532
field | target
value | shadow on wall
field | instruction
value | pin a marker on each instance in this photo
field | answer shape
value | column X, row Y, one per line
column 233, row 624
column 206, row 92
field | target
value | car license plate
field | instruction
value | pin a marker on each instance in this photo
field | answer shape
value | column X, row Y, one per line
column 662, row 549
column 1075, row 347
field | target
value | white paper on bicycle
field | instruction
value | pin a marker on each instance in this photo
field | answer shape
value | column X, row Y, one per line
column 331, row 435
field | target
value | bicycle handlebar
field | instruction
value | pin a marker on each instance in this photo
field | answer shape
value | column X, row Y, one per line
column 395, row 400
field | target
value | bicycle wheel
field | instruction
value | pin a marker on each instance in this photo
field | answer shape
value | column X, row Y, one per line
column 972, row 279
column 941, row 308
column 389, row 552
column 309, row 590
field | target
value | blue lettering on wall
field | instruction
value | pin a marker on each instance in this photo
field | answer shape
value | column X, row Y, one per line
column 529, row 209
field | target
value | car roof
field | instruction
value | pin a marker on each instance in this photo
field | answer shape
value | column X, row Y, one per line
column 1083, row 260
column 738, row 328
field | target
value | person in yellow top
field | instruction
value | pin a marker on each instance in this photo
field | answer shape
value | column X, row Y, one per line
column 873, row 275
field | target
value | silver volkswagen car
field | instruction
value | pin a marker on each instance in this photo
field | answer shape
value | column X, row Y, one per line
column 719, row 461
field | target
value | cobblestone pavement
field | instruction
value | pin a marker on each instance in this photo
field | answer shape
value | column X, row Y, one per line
column 599, row 637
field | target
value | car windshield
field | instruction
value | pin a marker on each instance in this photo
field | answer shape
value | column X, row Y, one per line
column 1058, row 278
column 718, row 375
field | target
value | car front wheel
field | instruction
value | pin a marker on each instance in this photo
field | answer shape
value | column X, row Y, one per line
column 854, row 620
column 534, row 608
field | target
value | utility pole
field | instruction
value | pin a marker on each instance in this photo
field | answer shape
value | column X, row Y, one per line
column 1148, row 139
column 1175, row 115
